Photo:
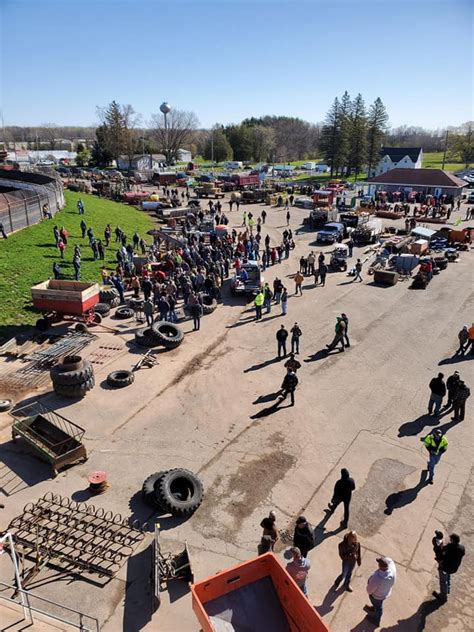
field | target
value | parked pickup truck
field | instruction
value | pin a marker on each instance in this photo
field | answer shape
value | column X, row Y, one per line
column 248, row 282
column 320, row 216
column 331, row 232
column 367, row 233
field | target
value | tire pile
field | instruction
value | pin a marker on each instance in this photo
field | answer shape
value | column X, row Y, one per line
column 73, row 377
column 109, row 295
column 162, row 333
column 178, row 492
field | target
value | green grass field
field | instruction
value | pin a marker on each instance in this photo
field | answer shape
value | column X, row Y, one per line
column 27, row 257
column 434, row 160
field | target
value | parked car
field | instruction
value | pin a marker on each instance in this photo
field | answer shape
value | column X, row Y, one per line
column 470, row 198
column 331, row 232
column 339, row 258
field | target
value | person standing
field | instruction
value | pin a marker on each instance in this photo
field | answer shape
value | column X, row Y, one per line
column 303, row 536
column 463, row 337
column 299, row 568
column 277, row 290
column 76, row 262
column 346, row 329
column 450, row 557
column 61, row 247
column 438, row 391
column 379, row 588
column 323, row 270
column 350, row 245
column 196, row 313
column 311, row 260
column 258, row 302
column 83, row 228
column 268, row 525
column 299, row 278
column 281, row 336
column 349, row 552
column 436, row 444
column 56, row 270
column 339, row 332
column 288, row 386
column 80, row 206
column 296, row 334
column 342, row 494
column 148, row 310
column 451, row 386
column 288, row 217
column 358, row 270
column 264, row 216
column 284, row 302
column 147, row 287
column 460, row 397
column 267, row 298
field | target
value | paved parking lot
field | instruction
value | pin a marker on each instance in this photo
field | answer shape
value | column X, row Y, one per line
column 363, row 409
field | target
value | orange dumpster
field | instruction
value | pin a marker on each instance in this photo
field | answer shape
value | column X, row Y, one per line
column 255, row 596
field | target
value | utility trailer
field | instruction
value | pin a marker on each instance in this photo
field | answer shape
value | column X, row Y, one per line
column 254, row 596
column 52, row 437
column 58, row 299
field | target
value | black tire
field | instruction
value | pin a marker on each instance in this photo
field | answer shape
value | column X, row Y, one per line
column 42, row 324
column 74, row 391
column 81, row 328
column 5, row 404
column 179, row 492
column 60, row 377
column 124, row 312
column 209, row 304
column 145, row 338
column 119, row 379
column 149, row 489
column 71, row 363
column 108, row 294
column 102, row 308
column 97, row 318
column 115, row 302
column 167, row 334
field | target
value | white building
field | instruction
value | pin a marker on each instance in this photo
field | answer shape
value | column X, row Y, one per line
column 184, row 155
column 398, row 158
column 141, row 162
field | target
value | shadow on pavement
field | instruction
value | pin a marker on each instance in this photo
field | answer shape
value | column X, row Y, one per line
column 138, row 599
column 417, row 621
column 320, row 533
column 327, row 606
column 406, row 496
column 266, row 398
column 319, row 355
column 262, row 365
column 412, row 428
column 456, row 358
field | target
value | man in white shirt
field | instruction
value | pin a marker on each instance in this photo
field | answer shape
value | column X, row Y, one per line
column 379, row 587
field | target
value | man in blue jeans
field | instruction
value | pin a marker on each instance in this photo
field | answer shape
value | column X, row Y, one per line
column 281, row 337
column 438, row 391
column 451, row 556
column 379, row 588
column 436, row 444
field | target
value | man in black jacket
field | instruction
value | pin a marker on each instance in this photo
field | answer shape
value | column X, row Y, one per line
column 289, row 385
column 281, row 336
column 303, row 536
column 438, row 391
column 342, row 494
column 451, row 556
column 452, row 384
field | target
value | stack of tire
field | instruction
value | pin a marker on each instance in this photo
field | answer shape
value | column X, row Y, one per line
column 162, row 333
column 73, row 377
column 209, row 305
column 109, row 295
column 178, row 492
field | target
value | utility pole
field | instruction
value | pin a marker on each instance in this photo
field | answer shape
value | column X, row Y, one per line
column 445, row 149
column 212, row 147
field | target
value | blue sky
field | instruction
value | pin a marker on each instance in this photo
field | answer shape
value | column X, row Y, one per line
column 229, row 59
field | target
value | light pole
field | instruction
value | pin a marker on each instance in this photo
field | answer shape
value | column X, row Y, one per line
column 165, row 108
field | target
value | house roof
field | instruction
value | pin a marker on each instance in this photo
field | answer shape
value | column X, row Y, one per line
column 397, row 153
column 419, row 177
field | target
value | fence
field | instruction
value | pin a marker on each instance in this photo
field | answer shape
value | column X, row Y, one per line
column 21, row 204
column 41, row 605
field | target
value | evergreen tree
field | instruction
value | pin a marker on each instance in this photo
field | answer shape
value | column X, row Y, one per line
column 345, row 112
column 358, row 135
column 376, row 129
column 330, row 135
column 217, row 146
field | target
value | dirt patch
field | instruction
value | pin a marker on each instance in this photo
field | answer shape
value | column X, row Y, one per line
column 198, row 362
column 233, row 498
column 386, row 476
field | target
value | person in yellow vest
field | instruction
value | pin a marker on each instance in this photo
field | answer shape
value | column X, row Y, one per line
column 436, row 444
column 258, row 302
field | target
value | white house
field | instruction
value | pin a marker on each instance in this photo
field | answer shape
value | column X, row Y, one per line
column 398, row 158
column 184, row 155
column 141, row 162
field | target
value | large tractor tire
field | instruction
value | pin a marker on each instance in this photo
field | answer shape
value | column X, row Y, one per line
column 74, row 391
column 120, row 379
column 179, row 492
column 149, row 489
column 167, row 334
column 209, row 304
column 75, row 377
column 108, row 294
column 102, row 308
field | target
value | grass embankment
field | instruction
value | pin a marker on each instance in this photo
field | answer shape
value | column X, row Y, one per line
column 27, row 257
column 434, row 160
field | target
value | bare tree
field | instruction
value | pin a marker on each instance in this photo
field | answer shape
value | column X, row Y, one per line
column 178, row 132
column 50, row 134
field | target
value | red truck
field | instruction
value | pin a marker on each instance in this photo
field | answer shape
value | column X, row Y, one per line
column 246, row 180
